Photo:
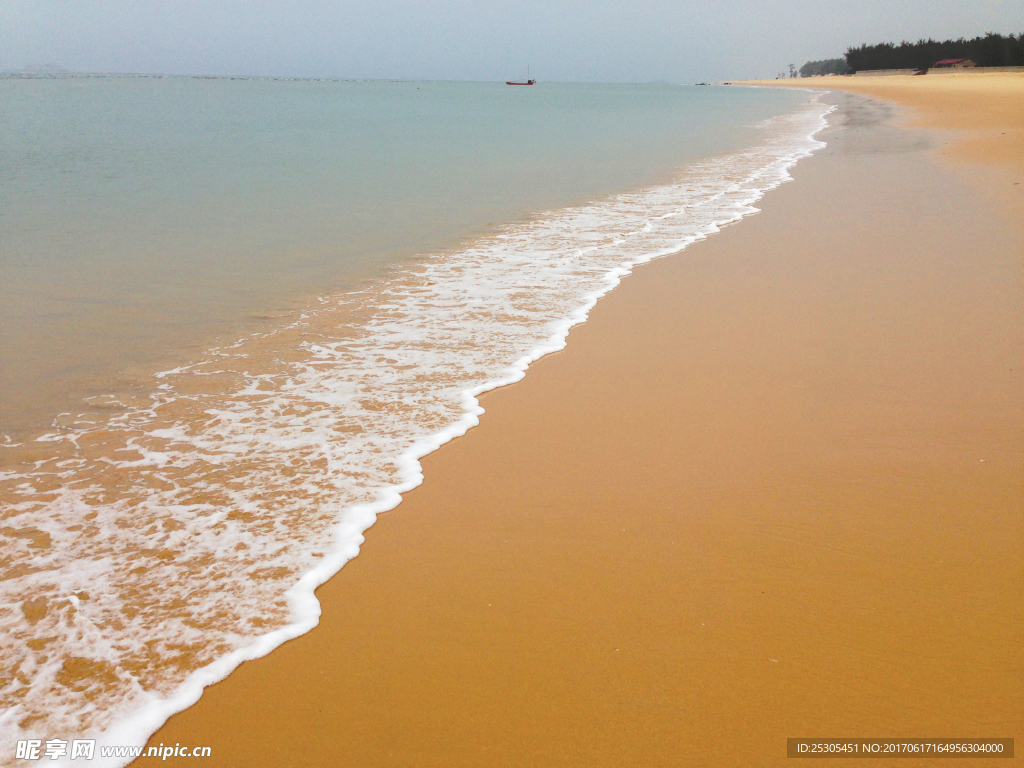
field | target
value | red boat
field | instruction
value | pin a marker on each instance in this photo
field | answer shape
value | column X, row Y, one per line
column 527, row 81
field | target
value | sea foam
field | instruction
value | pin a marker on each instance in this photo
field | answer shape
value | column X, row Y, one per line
column 150, row 553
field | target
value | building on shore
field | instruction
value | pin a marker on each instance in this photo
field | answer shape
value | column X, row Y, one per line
column 954, row 64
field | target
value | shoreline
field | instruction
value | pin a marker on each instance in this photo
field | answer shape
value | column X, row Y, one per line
column 361, row 517
column 648, row 225
column 266, row 272
column 977, row 116
column 400, row 586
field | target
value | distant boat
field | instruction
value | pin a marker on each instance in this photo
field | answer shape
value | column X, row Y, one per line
column 527, row 81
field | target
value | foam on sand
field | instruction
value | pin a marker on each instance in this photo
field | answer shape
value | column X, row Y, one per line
column 153, row 552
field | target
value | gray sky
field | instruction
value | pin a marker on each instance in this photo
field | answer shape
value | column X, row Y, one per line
column 600, row 40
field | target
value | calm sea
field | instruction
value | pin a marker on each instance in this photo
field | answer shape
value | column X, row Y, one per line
column 235, row 312
column 143, row 219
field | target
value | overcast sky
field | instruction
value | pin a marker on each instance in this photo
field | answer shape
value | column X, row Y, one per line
column 599, row 40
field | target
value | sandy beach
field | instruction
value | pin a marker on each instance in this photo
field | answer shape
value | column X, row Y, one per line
column 771, row 489
column 978, row 118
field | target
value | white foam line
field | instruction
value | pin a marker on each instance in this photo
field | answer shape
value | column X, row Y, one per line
column 354, row 521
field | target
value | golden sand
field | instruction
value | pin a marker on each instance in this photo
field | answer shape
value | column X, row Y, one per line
column 982, row 115
column 771, row 489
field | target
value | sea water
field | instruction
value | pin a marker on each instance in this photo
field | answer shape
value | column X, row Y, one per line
column 235, row 312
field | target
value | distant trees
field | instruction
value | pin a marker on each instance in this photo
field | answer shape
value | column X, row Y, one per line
column 824, row 67
column 992, row 50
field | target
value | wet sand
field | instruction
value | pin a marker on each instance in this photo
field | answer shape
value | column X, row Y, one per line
column 772, row 488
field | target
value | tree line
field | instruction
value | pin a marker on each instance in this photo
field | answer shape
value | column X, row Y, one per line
column 991, row 50
column 824, row 67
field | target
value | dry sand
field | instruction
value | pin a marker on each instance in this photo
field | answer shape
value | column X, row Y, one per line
column 980, row 114
column 772, row 488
